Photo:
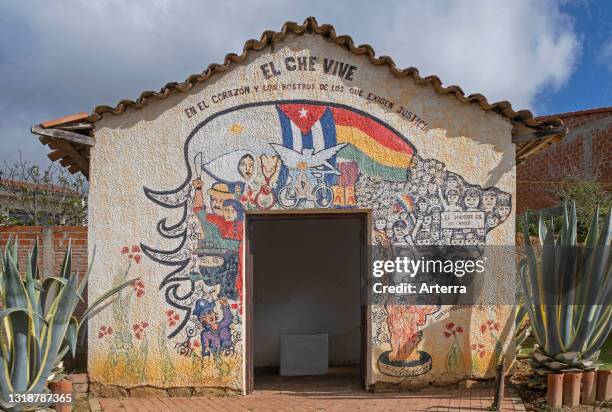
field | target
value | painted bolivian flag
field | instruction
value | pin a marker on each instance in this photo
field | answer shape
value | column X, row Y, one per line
column 377, row 149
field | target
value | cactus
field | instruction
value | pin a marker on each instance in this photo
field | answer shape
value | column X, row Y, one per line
column 568, row 290
column 37, row 326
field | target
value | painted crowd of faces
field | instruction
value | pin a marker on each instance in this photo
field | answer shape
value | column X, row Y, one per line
column 410, row 212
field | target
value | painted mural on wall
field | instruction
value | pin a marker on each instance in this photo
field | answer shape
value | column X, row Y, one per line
column 304, row 154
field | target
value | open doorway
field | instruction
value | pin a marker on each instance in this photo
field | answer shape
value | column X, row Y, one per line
column 303, row 282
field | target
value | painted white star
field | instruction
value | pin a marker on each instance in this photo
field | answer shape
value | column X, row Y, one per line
column 303, row 113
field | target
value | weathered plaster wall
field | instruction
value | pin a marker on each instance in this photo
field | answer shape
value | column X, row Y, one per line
column 144, row 209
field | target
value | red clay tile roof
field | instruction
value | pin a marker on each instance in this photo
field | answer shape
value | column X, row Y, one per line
column 525, row 126
column 576, row 113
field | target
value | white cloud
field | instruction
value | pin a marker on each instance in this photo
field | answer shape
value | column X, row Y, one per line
column 605, row 56
column 58, row 60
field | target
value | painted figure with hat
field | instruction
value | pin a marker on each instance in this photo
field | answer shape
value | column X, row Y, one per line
column 222, row 229
column 216, row 337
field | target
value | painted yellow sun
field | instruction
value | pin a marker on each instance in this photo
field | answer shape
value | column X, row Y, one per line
column 236, row 129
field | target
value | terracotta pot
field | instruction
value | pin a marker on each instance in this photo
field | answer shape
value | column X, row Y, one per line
column 588, row 388
column 63, row 387
column 571, row 389
column 554, row 389
column 604, row 386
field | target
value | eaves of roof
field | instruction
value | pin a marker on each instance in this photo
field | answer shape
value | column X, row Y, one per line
column 525, row 126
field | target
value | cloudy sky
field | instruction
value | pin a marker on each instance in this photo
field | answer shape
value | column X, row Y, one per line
column 58, row 58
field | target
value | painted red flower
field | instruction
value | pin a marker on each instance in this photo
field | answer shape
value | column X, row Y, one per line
column 172, row 316
column 132, row 253
column 104, row 330
column 479, row 349
column 490, row 326
column 139, row 287
column 452, row 329
column 139, row 329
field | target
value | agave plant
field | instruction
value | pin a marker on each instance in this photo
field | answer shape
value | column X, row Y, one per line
column 37, row 326
column 521, row 320
column 568, row 291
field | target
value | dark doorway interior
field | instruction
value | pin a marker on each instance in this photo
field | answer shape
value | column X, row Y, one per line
column 305, row 273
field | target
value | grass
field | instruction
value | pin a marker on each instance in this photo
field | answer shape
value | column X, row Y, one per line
column 605, row 357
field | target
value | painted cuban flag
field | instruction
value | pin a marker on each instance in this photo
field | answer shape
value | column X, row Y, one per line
column 375, row 147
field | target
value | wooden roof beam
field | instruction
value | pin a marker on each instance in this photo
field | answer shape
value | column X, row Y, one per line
column 63, row 135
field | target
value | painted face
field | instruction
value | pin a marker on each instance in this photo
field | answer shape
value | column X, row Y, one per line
column 452, row 182
column 431, row 167
column 453, row 199
column 229, row 213
column 434, row 201
column 504, row 211
column 471, row 240
column 422, row 206
column 399, row 232
column 457, row 240
column 422, row 191
column 472, row 201
column 492, row 221
column 488, row 201
column 246, row 167
column 447, row 232
column 432, row 188
column 216, row 203
column 381, row 224
column 403, row 215
column 424, row 241
column 427, row 220
column 210, row 319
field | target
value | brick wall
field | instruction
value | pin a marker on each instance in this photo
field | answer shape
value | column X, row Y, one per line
column 585, row 151
column 52, row 245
